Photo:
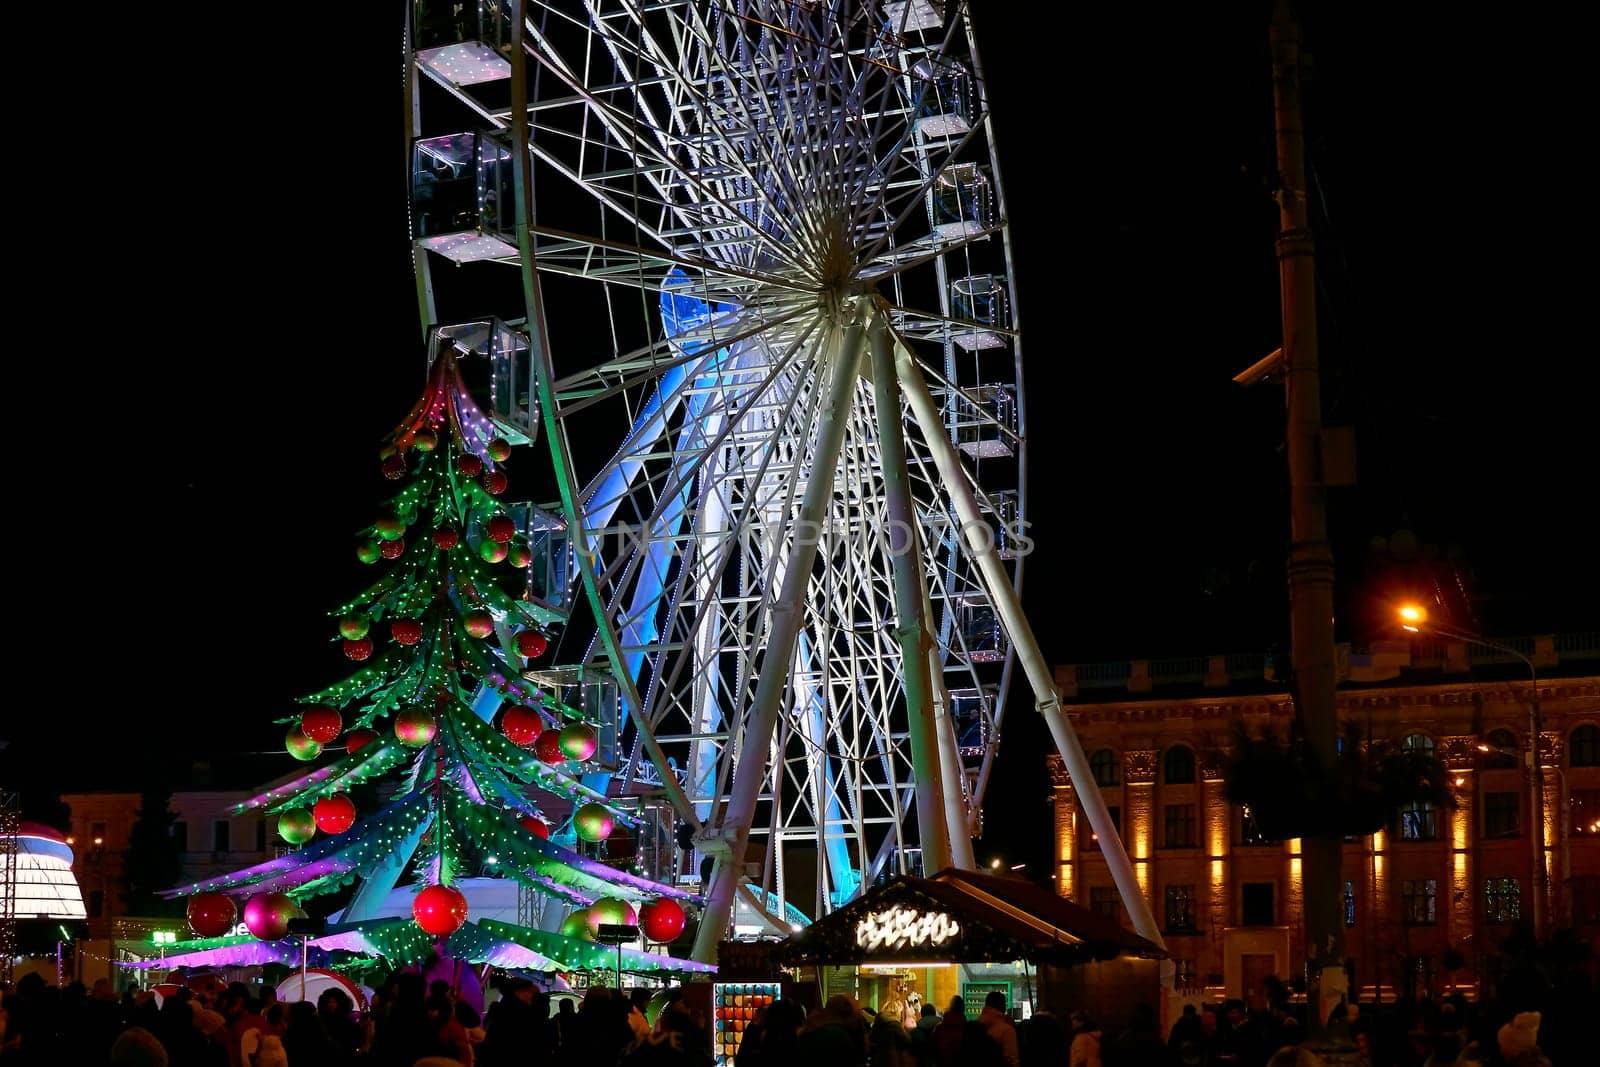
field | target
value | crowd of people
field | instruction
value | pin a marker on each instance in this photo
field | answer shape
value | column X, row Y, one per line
column 414, row 1024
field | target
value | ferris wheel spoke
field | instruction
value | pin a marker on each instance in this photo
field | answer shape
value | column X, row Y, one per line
column 635, row 258
column 779, row 159
column 624, row 132
column 709, row 112
column 591, row 386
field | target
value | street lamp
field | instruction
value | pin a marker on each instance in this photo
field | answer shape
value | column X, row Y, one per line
column 1414, row 617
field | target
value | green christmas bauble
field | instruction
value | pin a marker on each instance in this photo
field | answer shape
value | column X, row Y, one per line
column 425, row 441
column 414, row 727
column 300, row 746
column 493, row 551
column 368, row 551
column 389, row 528
column 354, row 627
column 478, row 623
column 612, row 910
column 499, row 450
column 297, row 826
column 578, row 741
column 519, row 555
column 592, row 822
column 577, row 925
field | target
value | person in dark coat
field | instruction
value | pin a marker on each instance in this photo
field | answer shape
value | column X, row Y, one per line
column 947, row 1035
column 518, row 1027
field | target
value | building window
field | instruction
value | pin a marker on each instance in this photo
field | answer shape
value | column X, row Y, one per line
column 97, row 903
column 1178, row 825
column 97, row 836
column 1419, row 820
column 1349, row 904
column 180, row 835
column 1180, row 908
column 1586, row 900
column 1103, row 900
column 1419, row 902
column 1105, row 768
column 1585, row 805
column 1249, row 832
column 219, row 836
column 261, row 835
column 1179, row 765
column 1093, row 844
column 1184, row 977
column 1256, row 904
column 1502, row 900
column 1502, row 754
column 1583, row 747
column 1420, row 743
column 1500, row 815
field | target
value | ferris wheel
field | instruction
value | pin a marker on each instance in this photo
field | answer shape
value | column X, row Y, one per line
column 769, row 333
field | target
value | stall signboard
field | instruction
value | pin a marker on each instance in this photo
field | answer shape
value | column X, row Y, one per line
column 897, row 928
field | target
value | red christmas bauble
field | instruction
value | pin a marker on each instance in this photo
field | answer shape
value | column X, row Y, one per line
column 334, row 814
column 358, row 650
column 392, row 549
column 532, row 643
column 445, row 538
column 494, row 483
column 425, row 441
column 521, row 725
column 356, row 740
column 519, row 555
column 212, row 914
column 478, row 623
column 354, row 627
column 299, row 745
column 469, row 465
column 414, row 726
column 267, row 915
column 499, row 449
column 321, row 723
column 405, row 631
column 394, row 468
column 500, row 528
column 548, row 747
column 536, row 826
column 662, row 920
column 369, row 551
column 440, row 910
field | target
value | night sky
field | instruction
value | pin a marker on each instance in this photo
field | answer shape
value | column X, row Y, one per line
column 221, row 306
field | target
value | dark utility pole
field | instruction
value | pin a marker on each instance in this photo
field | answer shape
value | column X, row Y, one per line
column 1310, row 556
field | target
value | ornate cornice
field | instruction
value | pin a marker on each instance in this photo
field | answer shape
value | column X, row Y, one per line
column 1458, row 752
column 1058, row 773
column 1139, row 766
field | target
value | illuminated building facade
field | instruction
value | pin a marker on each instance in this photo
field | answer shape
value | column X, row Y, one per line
column 1428, row 899
column 210, row 840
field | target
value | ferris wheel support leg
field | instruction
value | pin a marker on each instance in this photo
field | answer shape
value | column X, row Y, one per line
column 952, row 775
column 980, row 549
column 788, row 615
column 911, row 625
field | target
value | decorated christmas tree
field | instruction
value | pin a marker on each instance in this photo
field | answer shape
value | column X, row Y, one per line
column 474, row 756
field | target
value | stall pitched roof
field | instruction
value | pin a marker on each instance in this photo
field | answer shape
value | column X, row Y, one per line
column 1001, row 919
